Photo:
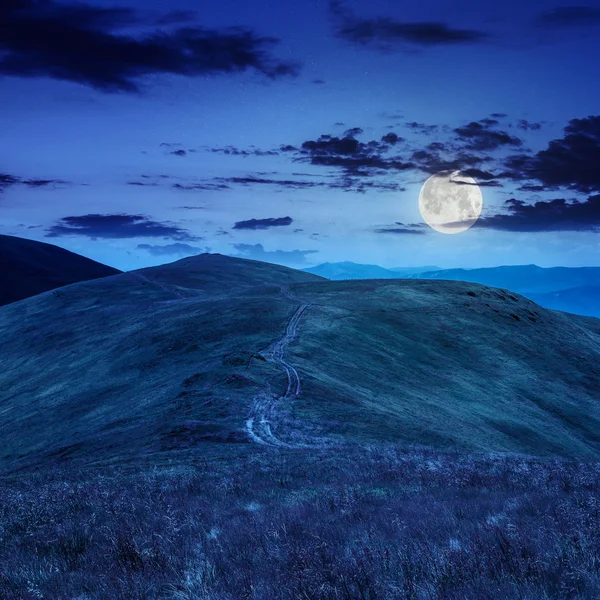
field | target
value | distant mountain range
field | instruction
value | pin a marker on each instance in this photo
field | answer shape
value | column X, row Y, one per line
column 570, row 289
column 350, row 270
column 28, row 268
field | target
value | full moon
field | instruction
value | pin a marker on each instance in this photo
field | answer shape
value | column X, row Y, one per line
column 450, row 202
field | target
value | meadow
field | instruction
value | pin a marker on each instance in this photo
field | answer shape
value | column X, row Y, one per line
column 350, row 522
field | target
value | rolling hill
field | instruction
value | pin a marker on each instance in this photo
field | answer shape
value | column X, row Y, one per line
column 28, row 267
column 194, row 359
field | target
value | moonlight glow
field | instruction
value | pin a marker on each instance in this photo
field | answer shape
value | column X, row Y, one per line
column 450, row 202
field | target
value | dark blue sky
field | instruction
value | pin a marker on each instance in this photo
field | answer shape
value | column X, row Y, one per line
column 136, row 133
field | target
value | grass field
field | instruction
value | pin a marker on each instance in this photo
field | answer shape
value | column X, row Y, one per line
column 359, row 522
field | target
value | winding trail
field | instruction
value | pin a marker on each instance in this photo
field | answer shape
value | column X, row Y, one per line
column 264, row 408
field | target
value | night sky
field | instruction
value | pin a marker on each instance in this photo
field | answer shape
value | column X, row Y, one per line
column 137, row 133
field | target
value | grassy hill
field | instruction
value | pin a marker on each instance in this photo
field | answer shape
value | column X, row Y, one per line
column 28, row 268
column 166, row 363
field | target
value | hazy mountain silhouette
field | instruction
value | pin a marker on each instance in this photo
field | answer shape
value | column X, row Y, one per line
column 181, row 360
column 28, row 267
column 350, row 270
column 583, row 300
column 524, row 279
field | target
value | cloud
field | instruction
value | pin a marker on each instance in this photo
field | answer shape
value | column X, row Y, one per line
column 479, row 135
column 117, row 226
column 571, row 161
column 392, row 138
column 433, row 162
column 195, row 187
column 82, row 43
column 264, row 223
column 286, row 183
column 355, row 157
column 178, row 152
column 528, row 126
column 422, row 127
column 233, row 151
column 403, row 229
column 257, row 252
column 552, row 215
column 7, row 181
column 178, row 249
column 386, row 33
column 570, row 16
column 143, row 183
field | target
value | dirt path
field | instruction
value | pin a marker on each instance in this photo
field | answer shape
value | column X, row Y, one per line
column 264, row 409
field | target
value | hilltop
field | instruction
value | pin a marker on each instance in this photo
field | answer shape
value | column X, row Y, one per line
column 169, row 363
column 28, row 267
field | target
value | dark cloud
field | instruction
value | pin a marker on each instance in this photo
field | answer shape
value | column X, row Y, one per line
column 353, row 132
column 287, row 257
column 403, row 229
column 355, row 157
column 143, row 183
column 391, row 138
column 319, row 81
column 528, row 125
column 386, row 33
column 286, row 183
column 264, row 223
column 552, row 215
column 117, row 226
column 191, row 207
column 433, row 161
column 233, row 151
column 479, row 136
column 179, row 152
column 82, row 43
column 571, row 16
column 421, row 127
column 197, row 187
column 177, row 249
column 571, row 161
column 498, row 115
column 7, row 181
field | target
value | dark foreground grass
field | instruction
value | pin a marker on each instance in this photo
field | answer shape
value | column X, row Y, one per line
column 350, row 523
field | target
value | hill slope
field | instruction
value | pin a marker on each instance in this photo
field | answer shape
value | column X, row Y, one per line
column 144, row 367
column 28, row 268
